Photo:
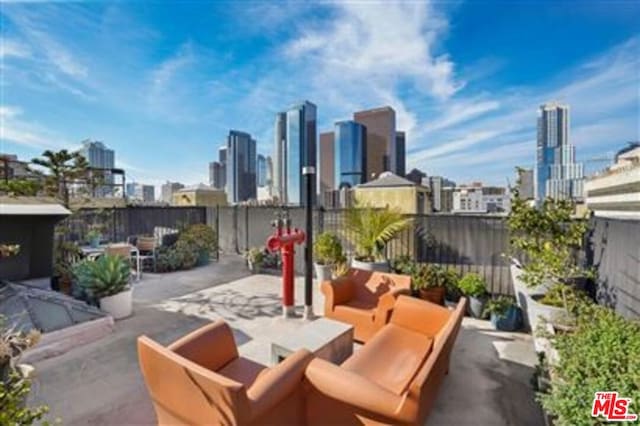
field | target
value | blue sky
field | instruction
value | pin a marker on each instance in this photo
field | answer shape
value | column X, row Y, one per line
column 163, row 82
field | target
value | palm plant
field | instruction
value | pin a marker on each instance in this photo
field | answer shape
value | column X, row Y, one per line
column 63, row 168
column 370, row 229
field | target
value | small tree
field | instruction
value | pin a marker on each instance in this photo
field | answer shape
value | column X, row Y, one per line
column 63, row 168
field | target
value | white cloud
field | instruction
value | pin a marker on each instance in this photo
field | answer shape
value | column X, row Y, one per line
column 13, row 48
column 18, row 131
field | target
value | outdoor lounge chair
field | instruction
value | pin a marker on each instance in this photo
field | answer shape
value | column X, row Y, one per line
column 200, row 379
column 394, row 378
column 364, row 299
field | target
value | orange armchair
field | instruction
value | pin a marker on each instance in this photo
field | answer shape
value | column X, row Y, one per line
column 394, row 378
column 200, row 379
column 364, row 299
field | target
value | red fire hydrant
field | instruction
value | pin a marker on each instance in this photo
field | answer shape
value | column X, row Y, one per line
column 283, row 239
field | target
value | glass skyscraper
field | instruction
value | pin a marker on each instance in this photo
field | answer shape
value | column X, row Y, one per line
column 100, row 157
column 262, row 171
column 350, row 154
column 557, row 173
column 240, row 167
column 295, row 135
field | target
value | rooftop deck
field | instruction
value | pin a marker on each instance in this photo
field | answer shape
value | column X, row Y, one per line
column 100, row 383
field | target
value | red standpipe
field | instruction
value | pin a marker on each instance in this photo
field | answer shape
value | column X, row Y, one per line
column 284, row 240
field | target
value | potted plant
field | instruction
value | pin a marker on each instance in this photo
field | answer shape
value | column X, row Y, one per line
column 255, row 258
column 327, row 251
column 339, row 269
column 369, row 230
column 107, row 279
column 504, row 313
column 474, row 287
column 403, row 265
column 65, row 255
column 202, row 239
column 430, row 282
column 94, row 235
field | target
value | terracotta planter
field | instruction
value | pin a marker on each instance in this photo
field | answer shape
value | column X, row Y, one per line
column 370, row 266
column 433, row 295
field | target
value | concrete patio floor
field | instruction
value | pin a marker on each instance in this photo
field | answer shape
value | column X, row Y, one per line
column 100, row 383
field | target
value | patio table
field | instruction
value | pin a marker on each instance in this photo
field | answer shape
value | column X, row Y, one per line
column 90, row 251
column 327, row 339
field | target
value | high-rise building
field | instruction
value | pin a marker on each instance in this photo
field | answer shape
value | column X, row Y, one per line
column 381, row 139
column 217, row 178
column 139, row 192
column 222, row 172
column 476, row 198
column 261, row 171
column 100, row 157
column 525, row 183
column 241, row 167
column 557, row 173
column 326, row 165
column 416, row 176
column 270, row 175
column 350, row 154
column 437, row 185
column 167, row 190
column 280, row 136
column 401, row 153
column 295, row 134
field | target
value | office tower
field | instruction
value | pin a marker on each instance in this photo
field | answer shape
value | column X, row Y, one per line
column 326, row 165
column 295, row 149
column 167, row 190
column 381, row 139
column 139, row 192
column 100, row 157
column 557, row 173
column 401, row 154
column 270, row 175
column 240, row 167
column 416, row 176
column 261, row 171
column 217, row 176
column 280, row 135
column 350, row 154
column 525, row 183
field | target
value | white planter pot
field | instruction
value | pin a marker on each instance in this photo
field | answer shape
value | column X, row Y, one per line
column 523, row 294
column 119, row 305
column 323, row 272
column 370, row 266
column 539, row 314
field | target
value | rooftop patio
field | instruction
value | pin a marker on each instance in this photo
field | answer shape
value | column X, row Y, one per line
column 100, row 383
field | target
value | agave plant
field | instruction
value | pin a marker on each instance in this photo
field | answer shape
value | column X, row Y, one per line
column 106, row 276
column 370, row 229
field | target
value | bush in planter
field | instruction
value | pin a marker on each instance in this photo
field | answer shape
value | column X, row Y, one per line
column 255, row 258
column 600, row 354
column 107, row 279
column 403, row 265
column 201, row 239
column 431, row 281
column 327, row 249
column 475, row 287
column 504, row 313
column 370, row 229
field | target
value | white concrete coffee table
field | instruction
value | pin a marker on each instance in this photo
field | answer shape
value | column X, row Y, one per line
column 327, row 339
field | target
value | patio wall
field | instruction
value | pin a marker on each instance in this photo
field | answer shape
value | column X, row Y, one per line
column 614, row 250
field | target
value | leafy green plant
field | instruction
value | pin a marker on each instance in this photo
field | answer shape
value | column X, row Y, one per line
column 431, row 276
column 13, row 411
column 327, row 249
column 201, row 237
column 548, row 238
column 600, row 354
column 473, row 285
column 63, row 169
column 255, row 255
column 499, row 306
column 403, row 265
column 370, row 229
column 65, row 253
column 20, row 187
column 106, row 276
column 563, row 296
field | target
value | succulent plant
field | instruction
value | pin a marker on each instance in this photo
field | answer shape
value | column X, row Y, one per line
column 106, row 276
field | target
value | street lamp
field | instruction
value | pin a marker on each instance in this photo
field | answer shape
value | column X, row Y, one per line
column 309, row 175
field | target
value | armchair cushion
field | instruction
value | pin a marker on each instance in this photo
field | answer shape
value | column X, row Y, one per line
column 243, row 370
column 212, row 346
column 392, row 358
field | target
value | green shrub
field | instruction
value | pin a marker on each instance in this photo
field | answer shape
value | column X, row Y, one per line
column 105, row 276
column 327, row 249
column 499, row 306
column 200, row 238
column 430, row 276
column 601, row 354
column 255, row 255
column 13, row 410
column 182, row 255
column 562, row 295
column 403, row 265
column 473, row 285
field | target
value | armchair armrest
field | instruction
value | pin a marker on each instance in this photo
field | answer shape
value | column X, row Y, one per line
column 337, row 292
column 350, row 388
column 211, row 346
column 419, row 315
column 278, row 382
column 386, row 302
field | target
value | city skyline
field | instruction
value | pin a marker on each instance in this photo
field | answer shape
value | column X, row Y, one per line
column 468, row 111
